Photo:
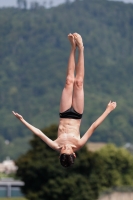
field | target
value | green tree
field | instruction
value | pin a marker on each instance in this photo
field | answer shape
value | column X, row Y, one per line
column 45, row 178
column 92, row 173
column 118, row 166
column 3, row 152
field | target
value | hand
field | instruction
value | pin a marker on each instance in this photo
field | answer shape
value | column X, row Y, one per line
column 111, row 105
column 17, row 115
column 74, row 155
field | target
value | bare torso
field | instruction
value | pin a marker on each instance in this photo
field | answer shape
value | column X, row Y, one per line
column 68, row 132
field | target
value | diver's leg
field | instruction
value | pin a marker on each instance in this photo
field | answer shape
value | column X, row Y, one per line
column 66, row 97
column 78, row 90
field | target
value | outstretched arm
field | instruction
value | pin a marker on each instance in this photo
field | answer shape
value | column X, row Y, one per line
column 37, row 132
column 110, row 107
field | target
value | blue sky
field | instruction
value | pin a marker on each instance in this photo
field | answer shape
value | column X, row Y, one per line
column 5, row 3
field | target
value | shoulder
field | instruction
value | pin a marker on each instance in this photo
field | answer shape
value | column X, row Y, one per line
column 78, row 145
column 57, row 145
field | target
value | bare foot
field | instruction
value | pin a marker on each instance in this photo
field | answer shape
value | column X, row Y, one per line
column 72, row 40
column 78, row 40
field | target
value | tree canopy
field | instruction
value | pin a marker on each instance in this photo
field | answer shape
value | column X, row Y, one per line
column 92, row 173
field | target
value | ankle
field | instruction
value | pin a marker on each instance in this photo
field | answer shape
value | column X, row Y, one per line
column 73, row 48
column 81, row 48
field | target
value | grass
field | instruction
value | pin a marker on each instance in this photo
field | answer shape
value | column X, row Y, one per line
column 15, row 198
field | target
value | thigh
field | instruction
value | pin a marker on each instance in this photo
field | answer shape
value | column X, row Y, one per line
column 66, row 98
column 78, row 99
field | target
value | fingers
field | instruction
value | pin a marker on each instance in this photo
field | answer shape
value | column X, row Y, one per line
column 109, row 102
column 74, row 154
column 15, row 113
column 112, row 105
column 112, row 102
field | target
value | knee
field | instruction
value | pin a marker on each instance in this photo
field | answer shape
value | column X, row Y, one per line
column 69, row 81
column 78, row 83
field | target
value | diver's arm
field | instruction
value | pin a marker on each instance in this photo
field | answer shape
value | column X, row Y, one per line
column 37, row 132
column 110, row 107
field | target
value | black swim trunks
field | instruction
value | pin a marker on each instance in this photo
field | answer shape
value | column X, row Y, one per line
column 71, row 114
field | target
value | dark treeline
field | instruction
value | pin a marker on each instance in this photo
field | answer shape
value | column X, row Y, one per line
column 33, row 5
column 34, row 52
column 92, row 173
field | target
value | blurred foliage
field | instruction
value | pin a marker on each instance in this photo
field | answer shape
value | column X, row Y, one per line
column 14, row 148
column 4, row 175
column 92, row 173
column 15, row 198
column 34, row 53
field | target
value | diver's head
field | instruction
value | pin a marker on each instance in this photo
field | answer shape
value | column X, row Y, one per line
column 67, row 156
column 67, row 160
